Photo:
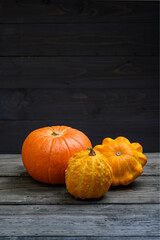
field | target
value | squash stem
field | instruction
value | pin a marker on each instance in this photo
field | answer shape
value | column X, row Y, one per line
column 92, row 152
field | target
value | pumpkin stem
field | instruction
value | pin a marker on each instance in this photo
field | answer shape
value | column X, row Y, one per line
column 92, row 152
column 56, row 134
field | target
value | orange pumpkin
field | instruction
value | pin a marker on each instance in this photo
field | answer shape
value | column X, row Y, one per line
column 125, row 158
column 46, row 151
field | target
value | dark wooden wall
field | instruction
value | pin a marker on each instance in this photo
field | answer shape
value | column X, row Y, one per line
column 89, row 64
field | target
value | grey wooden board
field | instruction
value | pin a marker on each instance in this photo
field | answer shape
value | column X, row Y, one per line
column 25, row 190
column 78, row 220
column 79, row 39
column 13, row 133
column 79, row 72
column 75, row 11
column 11, row 165
column 80, row 238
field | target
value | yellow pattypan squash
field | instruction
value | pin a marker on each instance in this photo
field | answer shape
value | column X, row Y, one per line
column 125, row 158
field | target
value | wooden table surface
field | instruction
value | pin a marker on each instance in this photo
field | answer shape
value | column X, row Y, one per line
column 32, row 210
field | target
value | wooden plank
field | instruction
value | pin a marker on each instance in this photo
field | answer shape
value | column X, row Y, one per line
column 75, row 11
column 79, row 104
column 13, row 133
column 78, row 238
column 112, row 220
column 11, row 165
column 79, row 72
column 153, row 164
column 79, row 39
column 25, row 190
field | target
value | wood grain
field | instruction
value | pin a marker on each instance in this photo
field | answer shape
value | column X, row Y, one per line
column 25, row 190
column 13, row 133
column 79, row 39
column 79, row 104
column 75, row 11
column 11, row 165
column 75, row 220
column 79, row 72
column 78, row 238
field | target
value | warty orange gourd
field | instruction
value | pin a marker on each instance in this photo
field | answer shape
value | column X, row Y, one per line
column 88, row 175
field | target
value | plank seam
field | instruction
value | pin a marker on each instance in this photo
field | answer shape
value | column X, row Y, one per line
column 76, row 204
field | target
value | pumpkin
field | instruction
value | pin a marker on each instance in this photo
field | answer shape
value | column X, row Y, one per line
column 88, row 175
column 46, row 151
column 125, row 158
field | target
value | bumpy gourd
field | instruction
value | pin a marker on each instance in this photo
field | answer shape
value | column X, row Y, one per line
column 88, row 175
column 125, row 158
